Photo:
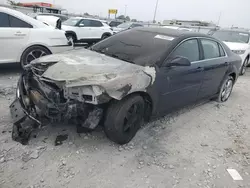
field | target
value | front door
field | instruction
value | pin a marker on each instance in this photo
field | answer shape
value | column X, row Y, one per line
column 179, row 86
column 14, row 34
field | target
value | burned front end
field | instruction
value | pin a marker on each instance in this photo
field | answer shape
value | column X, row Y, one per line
column 40, row 100
column 77, row 86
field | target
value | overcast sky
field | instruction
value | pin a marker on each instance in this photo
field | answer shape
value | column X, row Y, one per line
column 233, row 12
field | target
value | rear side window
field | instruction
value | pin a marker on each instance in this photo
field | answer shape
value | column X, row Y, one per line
column 91, row 23
column 222, row 52
column 210, row 49
column 188, row 49
column 95, row 23
column 4, row 20
column 15, row 22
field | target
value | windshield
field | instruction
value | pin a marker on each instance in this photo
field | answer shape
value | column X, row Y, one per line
column 135, row 46
column 71, row 21
column 124, row 25
column 232, row 36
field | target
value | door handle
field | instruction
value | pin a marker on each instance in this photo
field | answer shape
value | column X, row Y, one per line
column 19, row 33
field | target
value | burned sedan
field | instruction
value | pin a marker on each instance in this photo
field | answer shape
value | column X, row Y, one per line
column 123, row 81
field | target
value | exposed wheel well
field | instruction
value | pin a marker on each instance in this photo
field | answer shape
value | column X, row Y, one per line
column 248, row 56
column 148, row 101
column 34, row 46
column 106, row 34
column 71, row 33
column 233, row 75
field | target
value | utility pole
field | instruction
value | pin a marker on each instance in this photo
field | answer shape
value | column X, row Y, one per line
column 125, row 13
column 156, row 6
column 219, row 19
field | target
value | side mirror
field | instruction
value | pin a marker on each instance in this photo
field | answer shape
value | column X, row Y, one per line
column 179, row 61
column 81, row 25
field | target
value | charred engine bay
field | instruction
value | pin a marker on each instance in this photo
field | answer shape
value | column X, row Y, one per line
column 43, row 101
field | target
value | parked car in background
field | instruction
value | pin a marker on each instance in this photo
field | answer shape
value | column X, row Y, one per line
column 50, row 20
column 238, row 42
column 24, row 39
column 125, row 26
column 178, row 28
column 124, row 80
column 115, row 23
column 86, row 29
column 61, row 16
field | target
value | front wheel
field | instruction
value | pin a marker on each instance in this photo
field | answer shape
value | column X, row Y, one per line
column 226, row 89
column 124, row 118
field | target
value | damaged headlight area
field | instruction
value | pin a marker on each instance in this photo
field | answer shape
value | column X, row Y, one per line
column 87, row 94
column 39, row 98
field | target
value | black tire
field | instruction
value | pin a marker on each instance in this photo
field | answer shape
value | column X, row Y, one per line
column 225, row 90
column 118, row 116
column 71, row 37
column 32, row 53
column 244, row 66
column 104, row 36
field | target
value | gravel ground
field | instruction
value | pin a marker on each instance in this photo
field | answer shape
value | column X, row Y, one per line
column 193, row 147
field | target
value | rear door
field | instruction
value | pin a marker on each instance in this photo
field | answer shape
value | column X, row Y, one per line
column 215, row 66
column 97, row 29
column 179, row 86
column 14, row 34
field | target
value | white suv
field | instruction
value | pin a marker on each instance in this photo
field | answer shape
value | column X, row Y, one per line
column 86, row 29
column 23, row 39
column 239, row 42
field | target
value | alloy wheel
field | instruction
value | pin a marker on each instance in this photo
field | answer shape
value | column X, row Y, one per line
column 227, row 89
column 34, row 54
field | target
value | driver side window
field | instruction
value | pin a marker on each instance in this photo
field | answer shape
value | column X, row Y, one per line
column 188, row 49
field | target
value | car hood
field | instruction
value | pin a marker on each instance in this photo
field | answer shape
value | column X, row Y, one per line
column 236, row 45
column 116, row 29
column 50, row 20
column 67, row 27
column 83, row 67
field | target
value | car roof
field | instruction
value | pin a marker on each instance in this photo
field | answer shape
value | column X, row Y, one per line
column 22, row 16
column 235, row 30
column 172, row 32
column 78, row 17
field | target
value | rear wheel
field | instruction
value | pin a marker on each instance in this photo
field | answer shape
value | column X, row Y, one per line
column 104, row 36
column 33, row 53
column 124, row 118
column 226, row 89
column 244, row 67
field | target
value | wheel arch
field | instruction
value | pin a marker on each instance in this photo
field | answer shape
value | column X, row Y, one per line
column 33, row 45
column 148, row 101
column 71, row 33
column 233, row 74
column 106, row 33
